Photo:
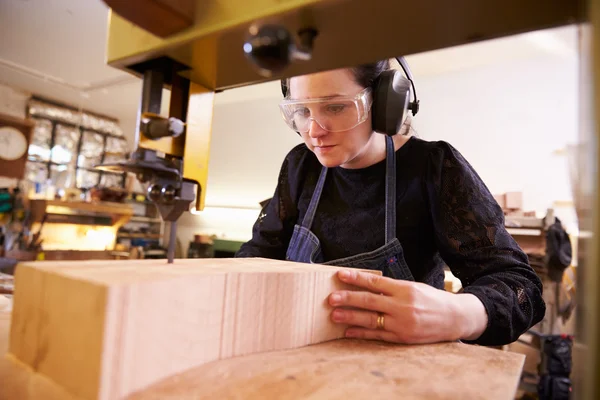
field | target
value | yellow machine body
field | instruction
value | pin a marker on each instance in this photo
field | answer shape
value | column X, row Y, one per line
column 350, row 32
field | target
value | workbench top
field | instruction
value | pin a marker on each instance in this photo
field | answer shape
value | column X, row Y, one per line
column 339, row 369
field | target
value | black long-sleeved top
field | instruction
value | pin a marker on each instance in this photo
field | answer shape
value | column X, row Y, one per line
column 446, row 215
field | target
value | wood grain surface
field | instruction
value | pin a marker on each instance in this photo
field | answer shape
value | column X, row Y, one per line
column 338, row 369
column 17, row 380
column 119, row 326
column 216, row 328
column 352, row 369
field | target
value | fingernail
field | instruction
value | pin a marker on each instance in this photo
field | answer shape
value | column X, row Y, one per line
column 336, row 298
column 338, row 315
column 344, row 274
column 350, row 333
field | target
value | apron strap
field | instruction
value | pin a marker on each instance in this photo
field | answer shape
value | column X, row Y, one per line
column 314, row 201
column 390, row 190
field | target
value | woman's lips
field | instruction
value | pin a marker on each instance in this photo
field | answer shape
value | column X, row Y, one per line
column 324, row 149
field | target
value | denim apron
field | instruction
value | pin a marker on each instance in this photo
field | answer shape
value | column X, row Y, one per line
column 389, row 258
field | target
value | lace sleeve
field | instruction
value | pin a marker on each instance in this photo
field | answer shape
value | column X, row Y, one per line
column 472, row 240
column 273, row 229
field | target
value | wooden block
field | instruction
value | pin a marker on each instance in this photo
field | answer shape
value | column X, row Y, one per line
column 119, row 326
column 344, row 369
column 514, row 200
column 20, row 382
column 501, row 200
column 532, row 356
column 514, row 213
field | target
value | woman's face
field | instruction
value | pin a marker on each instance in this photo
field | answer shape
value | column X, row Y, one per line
column 333, row 149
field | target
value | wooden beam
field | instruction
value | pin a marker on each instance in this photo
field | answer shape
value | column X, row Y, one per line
column 352, row 369
column 346, row 369
column 119, row 326
column 159, row 17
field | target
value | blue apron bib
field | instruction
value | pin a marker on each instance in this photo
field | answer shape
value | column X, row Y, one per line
column 389, row 258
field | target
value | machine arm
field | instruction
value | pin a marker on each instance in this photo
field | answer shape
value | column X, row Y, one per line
column 168, row 189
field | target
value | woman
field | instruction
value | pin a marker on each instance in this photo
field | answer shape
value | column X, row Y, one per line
column 352, row 197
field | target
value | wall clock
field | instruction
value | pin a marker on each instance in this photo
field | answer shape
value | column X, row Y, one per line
column 13, row 143
column 15, row 136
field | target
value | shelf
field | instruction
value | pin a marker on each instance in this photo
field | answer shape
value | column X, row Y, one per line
column 139, row 235
column 77, row 211
column 525, row 231
column 137, row 218
column 522, row 222
column 130, row 201
column 518, row 222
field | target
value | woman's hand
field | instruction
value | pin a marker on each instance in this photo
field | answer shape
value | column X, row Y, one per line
column 412, row 312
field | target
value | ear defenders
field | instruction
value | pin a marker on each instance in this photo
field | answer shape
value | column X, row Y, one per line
column 391, row 99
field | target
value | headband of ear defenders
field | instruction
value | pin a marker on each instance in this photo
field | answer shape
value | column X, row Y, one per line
column 391, row 99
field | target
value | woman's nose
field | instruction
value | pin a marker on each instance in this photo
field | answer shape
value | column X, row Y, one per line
column 315, row 129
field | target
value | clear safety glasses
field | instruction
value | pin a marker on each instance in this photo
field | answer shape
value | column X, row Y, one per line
column 334, row 114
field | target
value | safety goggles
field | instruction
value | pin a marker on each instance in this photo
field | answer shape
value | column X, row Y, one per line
column 334, row 114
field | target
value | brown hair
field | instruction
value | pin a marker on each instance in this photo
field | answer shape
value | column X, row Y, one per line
column 364, row 75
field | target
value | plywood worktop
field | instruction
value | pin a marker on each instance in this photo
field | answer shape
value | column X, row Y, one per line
column 339, row 369
column 352, row 369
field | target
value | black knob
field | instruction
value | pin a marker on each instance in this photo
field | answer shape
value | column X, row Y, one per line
column 154, row 192
column 270, row 47
column 168, row 194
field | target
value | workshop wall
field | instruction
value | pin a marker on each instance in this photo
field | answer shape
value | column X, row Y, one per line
column 511, row 120
column 13, row 102
column 248, row 145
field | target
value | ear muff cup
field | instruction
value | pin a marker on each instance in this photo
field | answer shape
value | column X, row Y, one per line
column 284, row 88
column 391, row 98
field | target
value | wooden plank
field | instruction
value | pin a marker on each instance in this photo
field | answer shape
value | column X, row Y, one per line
column 18, row 380
column 57, row 206
column 120, row 326
column 352, row 369
column 348, row 369
column 4, row 329
column 159, row 17
column 57, row 328
column 514, row 200
column 340, row 369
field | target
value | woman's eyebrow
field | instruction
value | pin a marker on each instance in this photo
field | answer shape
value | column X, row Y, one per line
column 331, row 96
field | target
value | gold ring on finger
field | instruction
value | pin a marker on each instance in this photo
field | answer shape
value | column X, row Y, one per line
column 380, row 321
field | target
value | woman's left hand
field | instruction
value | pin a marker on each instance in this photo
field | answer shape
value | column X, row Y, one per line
column 412, row 312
